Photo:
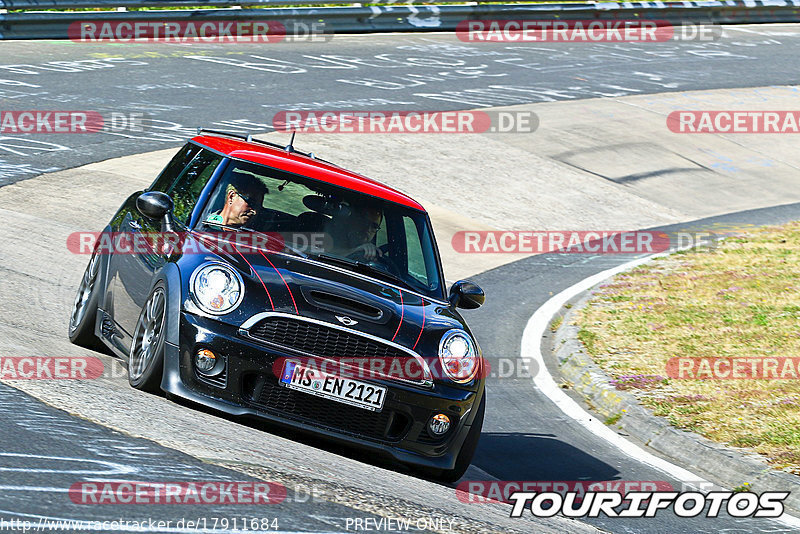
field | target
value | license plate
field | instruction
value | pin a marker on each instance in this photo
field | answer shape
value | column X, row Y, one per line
column 345, row 390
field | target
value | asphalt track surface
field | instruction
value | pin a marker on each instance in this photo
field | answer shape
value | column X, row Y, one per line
column 44, row 453
column 525, row 437
column 238, row 86
column 550, row 446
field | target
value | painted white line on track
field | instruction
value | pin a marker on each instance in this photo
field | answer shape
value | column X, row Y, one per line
column 114, row 468
column 42, row 489
column 543, row 380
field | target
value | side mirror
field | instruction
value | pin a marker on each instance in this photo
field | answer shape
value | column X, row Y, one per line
column 156, row 206
column 467, row 295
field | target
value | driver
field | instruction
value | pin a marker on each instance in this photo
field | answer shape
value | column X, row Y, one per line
column 354, row 234
column 244, row 197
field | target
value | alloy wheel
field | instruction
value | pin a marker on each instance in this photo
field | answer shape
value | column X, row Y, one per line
column 147, row 336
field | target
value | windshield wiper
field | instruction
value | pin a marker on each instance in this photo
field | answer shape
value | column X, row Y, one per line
column 360, row 265
column 271, row 238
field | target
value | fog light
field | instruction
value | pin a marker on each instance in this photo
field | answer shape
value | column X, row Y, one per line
column 439, row 424
column 205, row 360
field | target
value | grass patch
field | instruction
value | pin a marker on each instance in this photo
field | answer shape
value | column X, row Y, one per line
column 588, row 338
column 556, row 324
column 613, row 419
column 738, row 300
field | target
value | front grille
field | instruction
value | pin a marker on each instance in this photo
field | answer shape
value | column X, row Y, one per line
column 320, row 340
column 264, row 393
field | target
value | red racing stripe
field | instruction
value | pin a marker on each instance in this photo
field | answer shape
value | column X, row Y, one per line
column 402, row 312
column 259, row 279
column 284, row 281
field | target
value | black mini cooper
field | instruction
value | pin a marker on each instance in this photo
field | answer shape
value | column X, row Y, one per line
column 261, row 281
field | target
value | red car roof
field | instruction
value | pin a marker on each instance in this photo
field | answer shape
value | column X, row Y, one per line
column 304, row 166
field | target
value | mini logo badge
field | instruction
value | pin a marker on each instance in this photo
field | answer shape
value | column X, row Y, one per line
column 346, row 320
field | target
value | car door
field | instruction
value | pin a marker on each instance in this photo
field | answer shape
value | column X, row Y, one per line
column 137, row 268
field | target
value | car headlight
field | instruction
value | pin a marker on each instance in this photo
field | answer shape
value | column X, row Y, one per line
column 458, row 356
column 216, row 288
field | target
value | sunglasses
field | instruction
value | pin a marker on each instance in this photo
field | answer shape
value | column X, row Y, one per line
column 250, row 201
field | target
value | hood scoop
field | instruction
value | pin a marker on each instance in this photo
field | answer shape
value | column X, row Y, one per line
column 345, row 305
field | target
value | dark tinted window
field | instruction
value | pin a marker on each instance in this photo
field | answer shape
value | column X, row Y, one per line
column 174, row 167
column 329, row 224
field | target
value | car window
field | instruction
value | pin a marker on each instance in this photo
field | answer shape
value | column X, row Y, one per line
column 174, row 167
column 191, row 182
column 416, row 257
column 328, row 223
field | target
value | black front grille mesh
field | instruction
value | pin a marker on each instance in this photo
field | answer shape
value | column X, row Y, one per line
column 263, row 392
column 320, row 340
column 267, row 395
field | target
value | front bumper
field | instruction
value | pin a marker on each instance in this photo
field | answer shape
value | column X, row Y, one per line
column 248, row 387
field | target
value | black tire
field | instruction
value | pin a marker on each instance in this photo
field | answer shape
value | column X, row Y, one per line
column 84, row 309
column 467, row 448
column 146, row 358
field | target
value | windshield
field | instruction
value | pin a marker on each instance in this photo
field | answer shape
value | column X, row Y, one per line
column 330, row 224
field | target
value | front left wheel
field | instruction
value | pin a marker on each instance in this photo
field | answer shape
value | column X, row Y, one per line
column 84, row 309
column 146, row 360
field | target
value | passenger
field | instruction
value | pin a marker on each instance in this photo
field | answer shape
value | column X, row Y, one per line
column 354, row 234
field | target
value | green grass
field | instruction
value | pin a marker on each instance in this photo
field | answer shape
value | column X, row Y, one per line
column 613, row 419
column 740, row 299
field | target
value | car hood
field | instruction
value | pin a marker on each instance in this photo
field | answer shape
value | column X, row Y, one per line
column 332, row 294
